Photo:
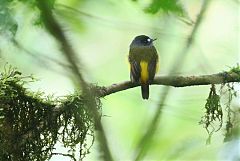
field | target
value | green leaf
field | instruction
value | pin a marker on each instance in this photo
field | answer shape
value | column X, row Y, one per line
column 166, row 6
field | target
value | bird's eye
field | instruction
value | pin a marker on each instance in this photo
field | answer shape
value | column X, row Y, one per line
column 148, row 40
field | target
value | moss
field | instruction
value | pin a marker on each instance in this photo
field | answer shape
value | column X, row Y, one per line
column 213, row 119
column 31, row 123
column 232, row 125
column 213, row 113
column 236, row 69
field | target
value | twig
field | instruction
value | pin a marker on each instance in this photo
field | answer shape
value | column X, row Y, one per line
column 41, row 58
column 122, row 24
column 65, row 155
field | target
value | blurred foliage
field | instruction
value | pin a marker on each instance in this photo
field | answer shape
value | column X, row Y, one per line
column 7, row 22
column 167, row 6
column 39, row 19
column 32, row 124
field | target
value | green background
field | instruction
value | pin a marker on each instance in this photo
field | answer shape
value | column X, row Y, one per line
column 101, row 39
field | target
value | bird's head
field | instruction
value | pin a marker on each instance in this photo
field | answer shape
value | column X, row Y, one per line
column 142, row 40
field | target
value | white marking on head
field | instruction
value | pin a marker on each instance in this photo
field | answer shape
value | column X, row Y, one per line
column 148, row 39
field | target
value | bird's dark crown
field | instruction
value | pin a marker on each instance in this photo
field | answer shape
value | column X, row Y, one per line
column 142, row 40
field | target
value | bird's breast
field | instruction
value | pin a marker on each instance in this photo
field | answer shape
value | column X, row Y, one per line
column 144, row 71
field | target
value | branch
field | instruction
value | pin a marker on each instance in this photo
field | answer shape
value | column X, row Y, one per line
column 57, row 32
column 176, row 81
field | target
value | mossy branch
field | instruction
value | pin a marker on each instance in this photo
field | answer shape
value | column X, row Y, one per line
column 32, row 118
column 176, row 81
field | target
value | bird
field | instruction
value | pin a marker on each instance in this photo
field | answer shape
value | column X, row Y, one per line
column 143, row 60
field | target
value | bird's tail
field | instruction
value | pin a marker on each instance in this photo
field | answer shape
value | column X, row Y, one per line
column 145, row 91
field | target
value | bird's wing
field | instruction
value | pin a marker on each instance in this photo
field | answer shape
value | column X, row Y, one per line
column 135, row 70
column 152, row 69
column 152, row 66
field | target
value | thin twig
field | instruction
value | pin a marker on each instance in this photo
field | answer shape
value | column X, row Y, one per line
column 122, row 24
column 41, row 58
column 66, row 155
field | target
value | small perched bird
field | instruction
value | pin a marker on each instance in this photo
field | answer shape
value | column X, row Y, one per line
column 143, row 59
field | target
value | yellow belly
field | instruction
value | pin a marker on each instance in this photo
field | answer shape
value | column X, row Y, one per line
column 144, row 71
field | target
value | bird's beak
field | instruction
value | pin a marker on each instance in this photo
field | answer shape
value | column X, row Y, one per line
column 154, row 39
